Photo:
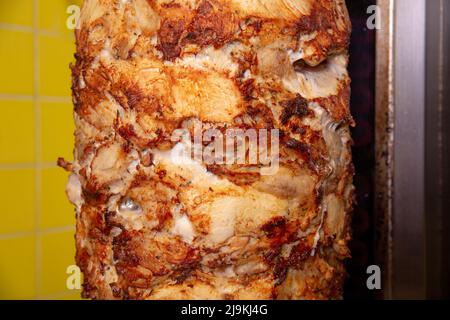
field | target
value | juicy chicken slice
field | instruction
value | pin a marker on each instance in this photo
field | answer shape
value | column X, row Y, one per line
column 153, row 222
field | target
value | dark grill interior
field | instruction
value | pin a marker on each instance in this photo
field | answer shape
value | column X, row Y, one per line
column 362, row 72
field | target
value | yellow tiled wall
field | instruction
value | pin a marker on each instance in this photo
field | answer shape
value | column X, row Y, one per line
column 36, row 127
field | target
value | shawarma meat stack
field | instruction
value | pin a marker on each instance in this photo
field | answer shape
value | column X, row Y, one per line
column 150, row 226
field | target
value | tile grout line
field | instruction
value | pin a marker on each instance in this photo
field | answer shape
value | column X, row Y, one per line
column 16, row 27
column 24, row 166
column 16, row 97
column 37, row 127
column 36, row 231
column 51, row 99
column 56, row 295
column 28, row 29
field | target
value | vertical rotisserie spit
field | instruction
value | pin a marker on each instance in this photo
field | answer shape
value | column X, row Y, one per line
column 156, row 83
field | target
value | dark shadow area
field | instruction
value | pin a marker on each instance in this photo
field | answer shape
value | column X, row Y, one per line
column 362, row 72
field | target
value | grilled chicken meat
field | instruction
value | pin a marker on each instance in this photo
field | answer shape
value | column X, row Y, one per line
column 154, row 226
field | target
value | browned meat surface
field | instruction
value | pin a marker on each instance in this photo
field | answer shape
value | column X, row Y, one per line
column 151, row 227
